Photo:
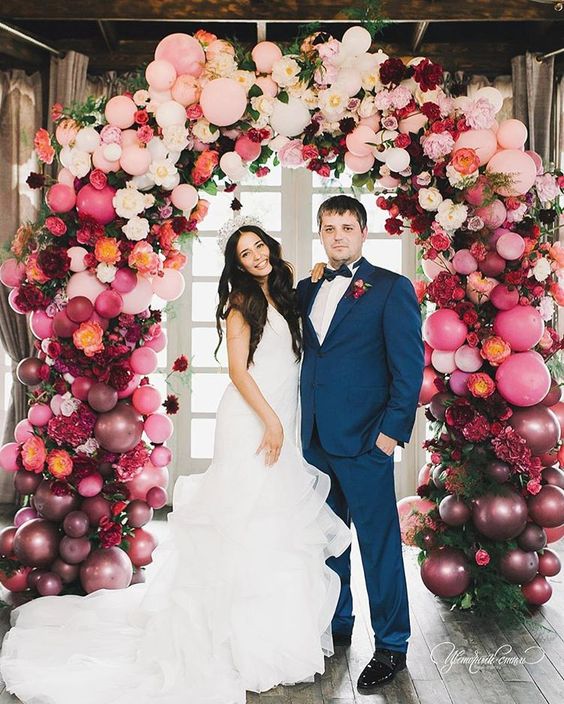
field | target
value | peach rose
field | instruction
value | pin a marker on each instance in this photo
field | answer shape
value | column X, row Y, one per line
column 465, row 161
column 144, row 259
column 200, row 211
column 167, row 235
column 23, row 239
column 557, row 292
column 107, row 250
column 175, row 260
column 481, row 385
column 33, row 454
column 43, row 147
column 204, row 37
column 495, row 349
column 88, row 337
column 204, row 166
column 59, row 463
column 32, row 270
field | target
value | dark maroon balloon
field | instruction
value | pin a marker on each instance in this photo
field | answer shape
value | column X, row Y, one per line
column 49, row 584
column 139, row 513
column 533, row 537
column 492, row 265
column 27, row 371
column 547, row 507
column 538, row 425
column 74, row 550
column 138, row 576
column 33, row 576
column 454, row 511
column 553, row 396
column 500, row 516
column 95, row 507
column 437, row 405
column 549, row 563
column 105, row 469
column 7, row 541
column 36, row 543
column 68, row 573
column 76, row 524
column 102, row 397
column 538, row 591
column 446, row 572
column 26, row 482
column 553, row 475
column 63, row 326
column 79, row 309
column 120, row 429
column 108, row 568
column 518, row 566
column 52, row 506
column 498, row 471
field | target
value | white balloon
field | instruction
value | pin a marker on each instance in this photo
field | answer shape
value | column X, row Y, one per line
column 357, row 40
column 367, row 62
column 143, row 182
column 462, row 102
column 170, row 113
column 397, row 159
column 65, row 156
column 87, row 139
column 291, row 118
column 492, row 95
column 159, row 96
column 111, row 152
column 232, row 166
column 381, row 137
column 157, row 148
column 349, row 81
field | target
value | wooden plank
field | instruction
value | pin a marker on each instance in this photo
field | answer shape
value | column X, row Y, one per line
column 525, row 693
column 432, row 692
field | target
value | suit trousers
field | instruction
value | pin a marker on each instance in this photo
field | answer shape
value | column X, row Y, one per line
column 363, row 492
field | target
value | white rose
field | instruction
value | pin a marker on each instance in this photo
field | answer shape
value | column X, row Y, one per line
column 367, row 107
column 263, row 104
column 221, row 66
column 175, row 138
column 429, row 198
column 148, row 200
column 333, row 103
column 309, row 98
column 245, row 78
column 106, row 273
column 136, row 228
column 163, row 172
column 201, row 130
column 542, row 269
column 451, row 215
column 128, row 202
column 371, row 79
column 69, row 404
column 546, row 307
column 141, row 97
column 79, row 163
column 285, row 71
column 458, row 180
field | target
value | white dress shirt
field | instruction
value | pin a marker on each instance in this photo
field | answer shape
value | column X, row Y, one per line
column 326, row 303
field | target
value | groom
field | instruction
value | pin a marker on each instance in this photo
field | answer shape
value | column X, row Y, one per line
column 361, row 375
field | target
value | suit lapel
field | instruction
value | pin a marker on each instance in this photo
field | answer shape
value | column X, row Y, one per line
column 345, row 305
column 313, row 290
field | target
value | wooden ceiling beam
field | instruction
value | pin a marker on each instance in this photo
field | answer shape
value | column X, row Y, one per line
column 108, row 34
column 289, row 11
column 418, row 35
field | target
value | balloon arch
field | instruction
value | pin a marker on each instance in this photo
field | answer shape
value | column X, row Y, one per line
column 90, row 457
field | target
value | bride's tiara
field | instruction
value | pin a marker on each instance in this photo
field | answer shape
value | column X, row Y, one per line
column 232, row 225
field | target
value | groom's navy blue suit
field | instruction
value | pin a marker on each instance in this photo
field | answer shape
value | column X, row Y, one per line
column 362, row 380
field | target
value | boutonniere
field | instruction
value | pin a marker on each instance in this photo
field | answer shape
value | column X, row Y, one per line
column 358, row 288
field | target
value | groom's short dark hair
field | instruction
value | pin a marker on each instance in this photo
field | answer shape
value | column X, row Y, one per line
column 342, row 204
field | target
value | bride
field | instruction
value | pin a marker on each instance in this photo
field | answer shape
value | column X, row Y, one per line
column 241, row 598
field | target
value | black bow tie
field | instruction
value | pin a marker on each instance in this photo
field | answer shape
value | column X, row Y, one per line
column 343, row 270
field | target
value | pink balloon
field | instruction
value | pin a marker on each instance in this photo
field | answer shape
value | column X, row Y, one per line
column 412, row 123
column 504, row 298
column 458, row 382
column 81, row 386
column 91, row 485
column 120, row 111
column 223, row 101
column 9, row 456
column 358, row 164
column 443, row 361
column 510, row 246
column 158, row 427
column 39, row 414
column 464, row 262
column 65, row 176
column 130, row 388
column 85, row 283
column 388, row 181
column 265, row 55
column 55, row 404
column 76, row 256
column 95, row 507
column 468, row 359
column 357, row 141
column 143, row 360
column 519, row 166
column 492, row 265
column 483, row 142
column 184, row 197
column 479, row 192
column 428, row 353
column 156, row 497
column 139, row 298
column 444, row 330
column 247, row 149
column 161, row 456
column 124, row 280
column 160, row 75
column 79, row 309
column 433, row 267
column 408, row 509
column 22, row 431
column 109, row 303
column 522, row 327
column 149, row 477
column 184, row 52
column 512, row 134
column 12, row 272
column 60, row 198
column 537, row 159
column 523, row 379
column 146, row 399
column 129, row 137
column 493, row 214
column 267, row 85
column 100, row 161
column 170, row 285
column 96, row 203
column 135, row 160
column 157, row 343
column 41, row 324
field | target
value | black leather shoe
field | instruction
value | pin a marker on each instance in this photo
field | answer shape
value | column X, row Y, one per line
column 380, row 670
column 342, row 639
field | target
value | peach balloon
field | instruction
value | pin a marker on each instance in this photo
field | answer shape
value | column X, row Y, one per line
column 128, row 138
column 267, row 85
column 483, row 142
column 512, row 134
column 433, row 267
column 373, row 122
column 85, row 283
column 120, row 111
column 160, row 74
column 184, row 197
column 184, row 52
column 359, row 164
column 357, row 141
column 66, row 132
column 223, row 101
column 516, row 164
column 139, row 297
column 135, row 160
column 170, row 113
column 185, row 90
column 265, row 54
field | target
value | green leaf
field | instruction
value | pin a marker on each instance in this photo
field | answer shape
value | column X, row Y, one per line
column 255, row 91
column 283, row 97
column 466, row 601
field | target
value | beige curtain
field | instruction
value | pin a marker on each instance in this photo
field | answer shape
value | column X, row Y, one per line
column 20, row 117
column 533, row 89
column 67, row 80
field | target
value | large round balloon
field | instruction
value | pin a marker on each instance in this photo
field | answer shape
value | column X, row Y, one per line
column 483, row 142
column 36, row 543
column 96, row 203
column 444, row 330
column 500, row 516
column 223, row 101
column 533, row 537
column 291, row 118
column 523, row 379
column 454, row 511
column 547, row 507
column 120, row 429
column 538, row 425
column 141, row 546
column 522, row 327
column 446, row 572
column 106, row 568
column 184, row 53
column 537, row 592
column 85, row 283
column 520, row 169
column 409, row 510
column 149, row 477
column 16, row 582
column 27, row 371
column 54, row 506
column 518, row 566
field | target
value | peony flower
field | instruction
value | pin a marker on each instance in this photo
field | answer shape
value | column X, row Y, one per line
column 59, row 463
column 542, row 269
column 547, row 189
column 43, row 147
column 88, row 337
column 465, row 161
column 204, row 167
column 204, row 37
column 482, row 557
column 175, row 137
column 221, row 65
column 107, row 250
column 480, row 385
column 263, row 104
column 106, row 273
column 437, row 145
column 33, row 454
column 429, row 198
column 451, row 215
column 291, row 154
column 477, row 430
column 546, row 308
column 143, row 258
column 400, row 97
column 110, row 135
column 33, row 271
column 479, row 114
column 285, row 71
column 201, row 130
column 128, row 202
column 200, row 211
column 175, row 260
column 333, row 103
column 495, row 349
column 136, row 228
column 245, row 78
column 79, row 163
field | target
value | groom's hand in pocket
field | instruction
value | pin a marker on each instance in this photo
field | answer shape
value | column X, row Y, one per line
column 386, row 444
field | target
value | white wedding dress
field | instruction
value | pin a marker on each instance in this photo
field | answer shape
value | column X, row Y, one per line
column 241, row 597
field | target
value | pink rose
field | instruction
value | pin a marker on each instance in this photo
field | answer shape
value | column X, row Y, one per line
column 290, row 154
column 110, row 135
column 55, row 225
column 482, row 557
column 98, row 179
column 194, row 112
column 145, row 134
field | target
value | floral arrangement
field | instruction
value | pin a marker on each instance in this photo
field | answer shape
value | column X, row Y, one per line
column 111, row 236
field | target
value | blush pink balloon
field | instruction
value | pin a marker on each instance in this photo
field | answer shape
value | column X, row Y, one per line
column 157, row 343
column 12, row 272
column 512, row 134
column 146, row 399
column 412, row 123
column 493, row 214
column 158, row 427
column 433, row 267
column 247, row 149
column 161, row 456
column 55, row 404
column 185, row 90
column 443, row 361
column 76, row 256
column 65, row 176
column 444, row 330
column 519, row 166
column 537, row 159
column 510, row 246
column 223, row 101
column 160, row 74
column 139, row 298
column 39, row 414
column 359, row 164
column 124, row 280
column 464, row 262
column 60, row 198
column 373, row 122
column 23, row 430
column 9, row 453
column 522, row 327
column 85, row 283
column 267, row 85
column 120, row 111
column 129, row 137
column 170, row 285
column 184, row 52
column 184, row 197
column 41, row 324
column 96, row 203
column 265, row 54
column 388, row 181
column 91, row 485
column 523, row 379
column 135, row 160
column 357, row 141
column 109, row 303
column 504, row 298
column 149, row 477
column 468, row 359
column 100, row 161
column 458, row 382
column 130, row 388
column 143, row 360
column 483, row 142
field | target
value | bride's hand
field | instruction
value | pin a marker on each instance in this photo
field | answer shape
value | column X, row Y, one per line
column 317, row 272
column 272, row 442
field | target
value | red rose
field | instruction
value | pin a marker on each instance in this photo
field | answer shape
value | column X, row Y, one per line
column 141, row 117
column 392, row 71
column 98, row 179
column 180, row 364
column 109, row 532
column 53, row 349
column 309, row 151
column 55, row 225
column 440, row 242
column 393, row 226
column 402, row 141
column 53, row 262
column 482, row 557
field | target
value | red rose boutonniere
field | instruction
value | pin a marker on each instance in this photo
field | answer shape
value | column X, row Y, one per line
column 358, row 288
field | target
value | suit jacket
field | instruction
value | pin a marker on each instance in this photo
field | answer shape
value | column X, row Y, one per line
column 366, row 376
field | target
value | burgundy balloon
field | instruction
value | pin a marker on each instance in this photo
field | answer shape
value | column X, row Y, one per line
column 141, row 546
column 553, row 475
column 549, row 563
column 538, row 591
column 446, row 572
column 518, row 566
column 76, row 524
column 74, row 550
column 63, row 326
column 33, row 576
column 120, row 429
column 67, row 572
column 79, row 309
column 156, row 497
column 106, row 568
column 437, row 476
column 533, row 537
column 550, row 458
column 553, row 396
column 105, row 469
column 52, row 506
column 138, row 577
column 7, row 541
column 498, row 471
column 95, row 507
column 49, row 584
column 26, row 482
column 538, row 425
column 139, row 513
column 437, row 405
column 558, row 410
column 102, row 397
column 492, row 265
column 454, row 511
column 36, row 543
column 27, row 371
column 500, row 516
column 547, row 507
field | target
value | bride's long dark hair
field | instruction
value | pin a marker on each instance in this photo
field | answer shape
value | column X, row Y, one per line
column 238, row 290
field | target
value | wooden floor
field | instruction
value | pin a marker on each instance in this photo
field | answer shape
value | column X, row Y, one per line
column 433, row 627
